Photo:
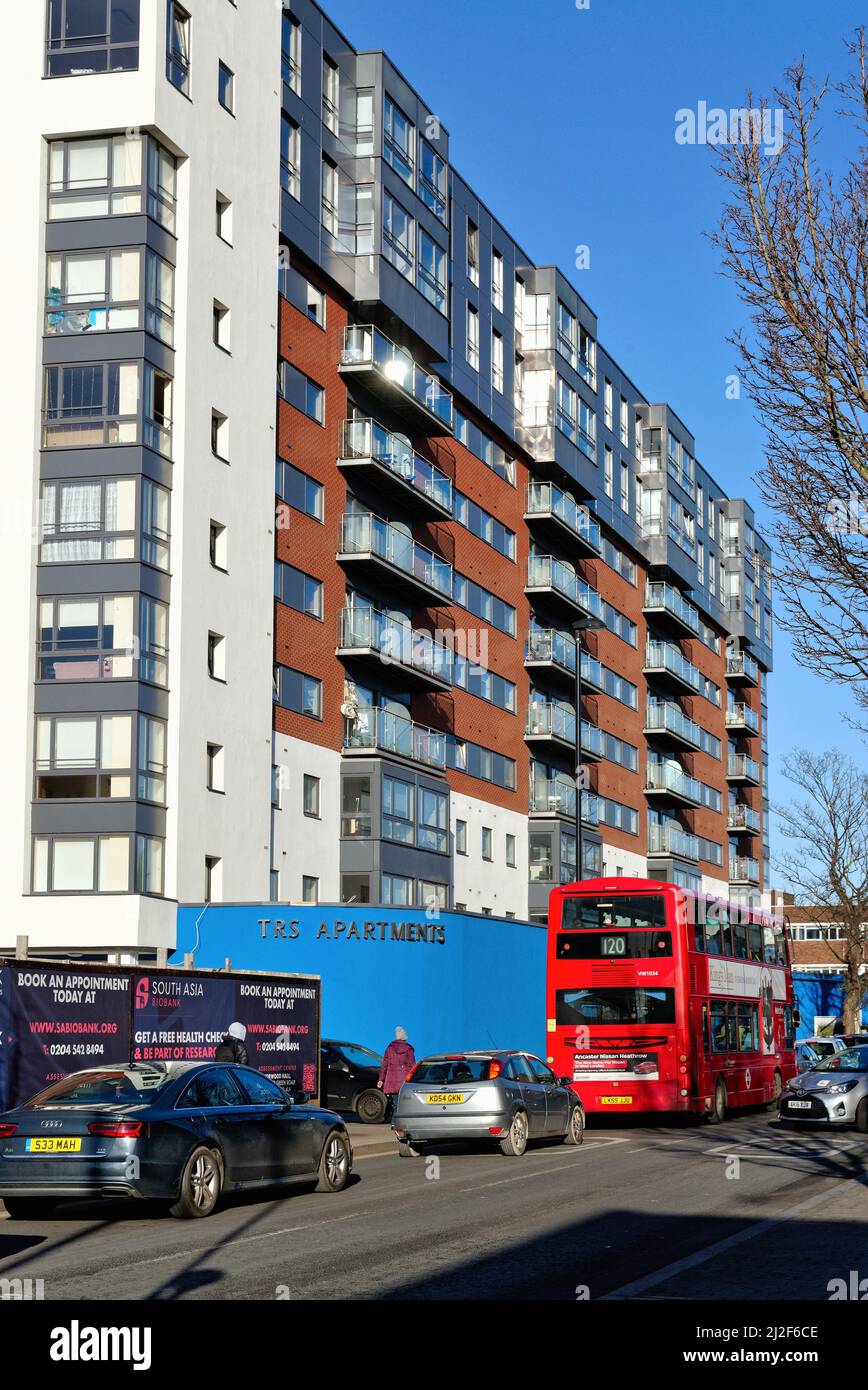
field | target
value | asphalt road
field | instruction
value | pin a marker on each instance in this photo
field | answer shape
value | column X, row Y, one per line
column 678, row 1211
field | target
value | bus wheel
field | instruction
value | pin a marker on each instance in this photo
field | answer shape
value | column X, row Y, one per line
column 777, row 1087
column 718, row 1109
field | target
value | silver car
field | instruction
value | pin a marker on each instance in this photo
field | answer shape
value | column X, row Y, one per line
column 507, row 1098
column 835, row 1092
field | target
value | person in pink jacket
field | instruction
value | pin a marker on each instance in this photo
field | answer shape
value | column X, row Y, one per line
column 398, row 1058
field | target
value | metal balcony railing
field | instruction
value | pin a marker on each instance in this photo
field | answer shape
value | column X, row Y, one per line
column 369, row 629
column 380, row 730
column 365, row 346
column 363, row 533
column 661, row 777
column 662, row 715
column 545, row 499
column 740, row 765
column 671, row 839
column 743, row 818
column 366, row 439
column 741, row 664
column 663, row 656
column 743, row 869
column 559, row 799
column 742, row 716
column 662, row 597
column 545, row 572
column 547, row 644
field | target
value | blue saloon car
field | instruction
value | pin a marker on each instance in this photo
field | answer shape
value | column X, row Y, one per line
column 178, row 1132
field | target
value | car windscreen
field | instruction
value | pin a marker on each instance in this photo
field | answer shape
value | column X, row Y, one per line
column 853, row 1059
column 442, row 1071
column 110, row 1084
column 358, row 1056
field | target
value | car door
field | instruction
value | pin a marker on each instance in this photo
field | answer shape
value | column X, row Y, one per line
column 335, row 1078
column 218, row 1107
column 284, row 1132
column 557, row 1099
column 532, row 1093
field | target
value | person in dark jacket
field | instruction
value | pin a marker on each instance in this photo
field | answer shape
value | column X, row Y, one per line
column 231, row 1048
column 398, row 1058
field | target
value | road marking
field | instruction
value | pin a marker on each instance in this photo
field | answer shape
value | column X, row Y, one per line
column 543, row 1172
column 660, row 1276
column 243, row 1240
column 788, row 1147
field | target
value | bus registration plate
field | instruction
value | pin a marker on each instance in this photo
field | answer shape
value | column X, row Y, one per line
column 616, row 1100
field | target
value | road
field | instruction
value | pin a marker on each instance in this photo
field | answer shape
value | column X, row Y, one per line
column 675, row 1211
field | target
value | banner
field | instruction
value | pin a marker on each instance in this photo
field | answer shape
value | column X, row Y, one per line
column 55, row 1020
column 183, row 1017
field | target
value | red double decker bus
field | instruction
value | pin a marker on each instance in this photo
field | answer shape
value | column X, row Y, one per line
column 662, row 999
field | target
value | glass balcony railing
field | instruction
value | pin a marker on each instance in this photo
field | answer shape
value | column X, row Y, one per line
column 551, row 721
column 545, row 572
column 743, row 818
column 740, row 664
column 368, row 629
column 661, row 597
column 742, row 716
column 661, row 777
column 365, row 346
column 547, row 644
column 380, row 730
column 555, row 798
column 362, row 533
column 544, row 499
column 671, row 839
column 365, row 439
column 663, row 656
column 740, row 765
column 743, row 869
column 663, row 716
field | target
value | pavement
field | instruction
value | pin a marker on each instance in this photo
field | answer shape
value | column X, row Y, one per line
column 744, row 1210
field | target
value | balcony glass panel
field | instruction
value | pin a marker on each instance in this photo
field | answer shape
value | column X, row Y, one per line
column 369, row 628
column 364, row 439
column 544, row 499
column 365, row 534
column 547, row 644
column 365, row 345
column 385, row 731
column 671, row 839
column 660, row 595
column 662, row 656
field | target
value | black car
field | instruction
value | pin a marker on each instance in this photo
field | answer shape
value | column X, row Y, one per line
column 179, row 1132
column 349, row 1080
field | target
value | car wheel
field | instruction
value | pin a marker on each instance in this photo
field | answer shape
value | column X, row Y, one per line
column 514, row 1142
column 201, row 1182
column 334, row 1166
column 30, row 1208
column 777, row 1087
column 371, row 1107
column 576, row 1128
column 406, row 1150
column 862, row 1116
column 718, row 1109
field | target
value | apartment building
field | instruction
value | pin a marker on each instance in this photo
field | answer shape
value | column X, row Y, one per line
column 344, row 563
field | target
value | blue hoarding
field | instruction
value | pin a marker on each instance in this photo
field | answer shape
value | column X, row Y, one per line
column 453, row 981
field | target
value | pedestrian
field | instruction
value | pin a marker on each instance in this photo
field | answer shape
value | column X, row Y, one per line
column 231, row 1047
column 398, row 1058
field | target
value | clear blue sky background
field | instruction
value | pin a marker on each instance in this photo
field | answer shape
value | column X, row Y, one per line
column 562, row 120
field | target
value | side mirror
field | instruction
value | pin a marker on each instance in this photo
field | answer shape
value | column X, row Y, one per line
column 565, row 1080
column 797, row 1018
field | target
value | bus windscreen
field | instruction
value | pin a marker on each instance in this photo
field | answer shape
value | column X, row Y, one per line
column 589, row 1006
column 616, row 910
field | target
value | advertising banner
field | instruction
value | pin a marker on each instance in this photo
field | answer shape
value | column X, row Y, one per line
column 55, row 1020
column 606, row 1066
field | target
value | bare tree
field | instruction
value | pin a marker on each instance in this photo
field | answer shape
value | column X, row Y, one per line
column 827, row 862
column 794, row 239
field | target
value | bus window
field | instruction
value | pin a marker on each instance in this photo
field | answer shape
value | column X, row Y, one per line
column 705, row 1029
column 755, row 941
column 747, row 1028
column 698, row 935
column 739, row 937
column 718, row 1026
column 615, row 910
column 712, row 936
column 789, row 1030
column 726, row 934
column 770, row 946
column 780, row 945
column 590, row 1006
column 731, row 1028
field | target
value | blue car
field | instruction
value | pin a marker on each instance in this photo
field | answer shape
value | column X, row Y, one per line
column 182, row 1133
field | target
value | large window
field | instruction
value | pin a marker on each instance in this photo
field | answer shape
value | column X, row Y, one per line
column 97, row 864
column 290, row 156
column 356, row 810
column 91, row 757
column 299, row 490
column 431, row 272
column 111, row 637
column 105, row 177
column 298, row 590
column 397, row 236
column 433, row 814
column 617, row 1006
column 178, row 47
column 432, row 180
column 99, row 519
column 89, row 36
column 293, row 690
column 301, row 391
column 99, row 291
column 397, row 140
column 99, row 403
column 291, row 51
column 399, row 799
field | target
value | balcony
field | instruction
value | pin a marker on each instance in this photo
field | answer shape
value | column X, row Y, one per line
column 371, row 549
column 417, row 397
column 548, row 577
column 549, row 723
column 379, row 641
column 375, row 731
column 664, row 718
column 744, row 870
column 742, row 669
column 668, row 605
column 388, row 463
column 553, row 798
column 546, row 649
column 672, row 783
column 741, row 768
column 666, row 663
column 548, row 507
column 741, row 718
column 742, row 820
column 672, row 840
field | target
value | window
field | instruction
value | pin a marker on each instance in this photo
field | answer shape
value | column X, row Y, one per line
column 510, row 851
column 298, row 590
column 608, row 481
column 311, row 795
column 431, row 894
column 471, row 758
column 152, row 760
column 217, row 545
column 355, row 888
column 103, row 177
column 487, row 850
column 433, row 820
column 298, row 692
column 223, row 216
column 330, row 94
column 91, row 404
column 625, row 423
column 356, row 808
column 274, row 885
column 213, row 879
column 97, row 864
column 222, row 324
column 98, row 519
column 472, row 252
column 299, row 291
column 214, row 765
column 216, row 656
column 226, row 88
column 483, row 604
column 100, row 291
column 567, row 334
column 329, row 196
column 84, row 757
column 473, row 337
column 300, row 391
column 497, row 280
column 432, row 180
column 567, row 408
column 298, row 490
column 291, row 51
column 496, row 360
column 431, row 271
column 397, row 140
column 625, row 487
column 90, row 36
column 399, row 799
column 111, row 637
column 482, row 524
column 607, row 404
column 178, row 48
column 461, row 837
column 397, row 890
column 219, row 436
column 290, row 156
column 309, row 889
column 397, row 236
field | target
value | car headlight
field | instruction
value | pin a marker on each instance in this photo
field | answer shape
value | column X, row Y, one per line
column 841, row 1087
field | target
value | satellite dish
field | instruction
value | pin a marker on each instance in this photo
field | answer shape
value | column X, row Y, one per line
column 349, row 709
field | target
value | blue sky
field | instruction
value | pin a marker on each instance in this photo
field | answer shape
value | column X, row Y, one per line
column 562, row 120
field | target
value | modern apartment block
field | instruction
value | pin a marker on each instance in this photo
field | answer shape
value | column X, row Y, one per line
column 318, row 640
